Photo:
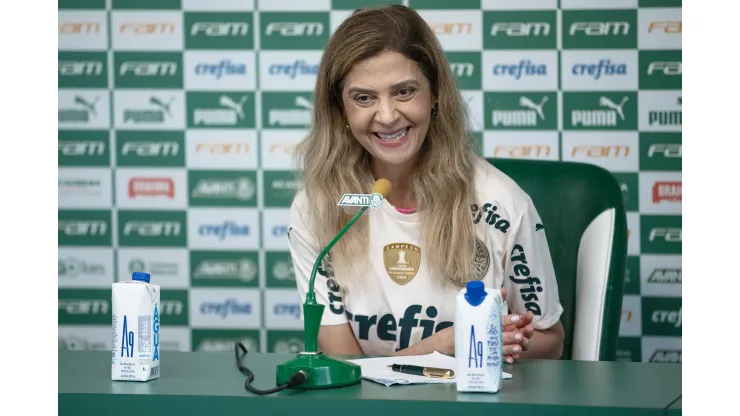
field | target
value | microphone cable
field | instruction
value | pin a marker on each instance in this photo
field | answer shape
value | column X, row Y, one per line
column 295, row 380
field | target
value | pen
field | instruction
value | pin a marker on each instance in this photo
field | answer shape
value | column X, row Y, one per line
column 422, row 371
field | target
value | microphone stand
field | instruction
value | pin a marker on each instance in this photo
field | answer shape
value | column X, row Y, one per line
column 322, row 371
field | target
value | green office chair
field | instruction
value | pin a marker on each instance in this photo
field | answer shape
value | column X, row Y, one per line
column 585, row 222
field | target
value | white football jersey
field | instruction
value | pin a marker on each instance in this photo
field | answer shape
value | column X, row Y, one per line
column 402, row 304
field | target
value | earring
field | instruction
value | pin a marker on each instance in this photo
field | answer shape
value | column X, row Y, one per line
column 346, row 123
column 434, row 111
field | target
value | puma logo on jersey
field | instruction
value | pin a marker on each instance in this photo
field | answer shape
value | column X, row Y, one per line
column 492, row 217
column 388, row 328
column 538, row 227
column 529, row 286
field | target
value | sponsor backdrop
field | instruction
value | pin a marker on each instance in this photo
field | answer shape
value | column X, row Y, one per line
column 177, row 119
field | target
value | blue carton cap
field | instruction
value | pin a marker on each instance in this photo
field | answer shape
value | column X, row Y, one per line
column 476, row 292
column 476, row 286
column 141, row 277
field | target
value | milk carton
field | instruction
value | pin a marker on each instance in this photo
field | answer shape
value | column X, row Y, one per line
column 135, row 307
column 479, row 339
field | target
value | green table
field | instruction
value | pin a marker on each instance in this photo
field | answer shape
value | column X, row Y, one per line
column 675, row 408
column 194, row 383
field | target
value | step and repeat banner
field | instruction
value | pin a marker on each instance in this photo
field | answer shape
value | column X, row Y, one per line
column 177, row 119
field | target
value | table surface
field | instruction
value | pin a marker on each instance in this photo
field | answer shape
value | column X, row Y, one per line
column 194, row 382
column 675, row 408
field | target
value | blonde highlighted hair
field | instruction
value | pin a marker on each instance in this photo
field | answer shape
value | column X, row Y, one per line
column 333, row 162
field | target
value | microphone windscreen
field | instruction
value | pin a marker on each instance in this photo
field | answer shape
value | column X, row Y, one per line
column 383, row 187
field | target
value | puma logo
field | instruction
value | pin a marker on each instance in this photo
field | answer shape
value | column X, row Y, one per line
column 236, row 107
column 165, row 107
column 538, row 227
column 606, row 102
column 527, row 103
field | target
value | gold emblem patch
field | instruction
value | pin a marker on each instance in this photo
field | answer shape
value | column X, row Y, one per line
column 401, row 261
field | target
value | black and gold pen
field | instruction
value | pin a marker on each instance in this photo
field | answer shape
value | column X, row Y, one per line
column 422, row 371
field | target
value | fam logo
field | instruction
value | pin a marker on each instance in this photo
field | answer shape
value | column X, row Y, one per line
column 451, row 28
column 594, row 29
column 84, row 228
column 83, row 30
column 669, row 27
column 157, row 30
column 82, row 70
column 148, row 70
column 78, row 27
column 660, row 70
column 218, row 30
column 535, row 151
column 156, row 228
column 456, row 30
column 83, row 148
column 518, row 30
column 660, row 29
column 294, row 31
column 229, row 150
column 147, row 28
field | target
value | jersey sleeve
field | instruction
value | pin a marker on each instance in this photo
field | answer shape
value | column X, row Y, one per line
column 304, row 251
column 530, row 276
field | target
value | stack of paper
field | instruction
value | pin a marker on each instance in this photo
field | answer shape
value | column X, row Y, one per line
column 376, row 369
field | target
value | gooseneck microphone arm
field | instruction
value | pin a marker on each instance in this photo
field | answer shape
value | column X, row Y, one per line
column 312, row 369
column 311, row 295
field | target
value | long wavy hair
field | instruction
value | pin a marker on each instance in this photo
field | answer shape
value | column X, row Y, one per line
column 331, row 161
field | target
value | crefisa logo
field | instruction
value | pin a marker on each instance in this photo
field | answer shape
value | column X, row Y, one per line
column 361, row 200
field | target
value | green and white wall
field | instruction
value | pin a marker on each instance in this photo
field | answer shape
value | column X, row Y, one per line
column 177, row 119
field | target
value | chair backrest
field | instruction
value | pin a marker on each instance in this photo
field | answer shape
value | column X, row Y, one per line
column 583, row 212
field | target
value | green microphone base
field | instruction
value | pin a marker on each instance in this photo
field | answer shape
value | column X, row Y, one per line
column 322, row 371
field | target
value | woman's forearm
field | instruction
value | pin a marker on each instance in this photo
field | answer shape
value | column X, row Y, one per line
column 545, row 344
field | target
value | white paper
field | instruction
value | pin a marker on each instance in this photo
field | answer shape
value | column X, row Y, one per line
column 376, row 369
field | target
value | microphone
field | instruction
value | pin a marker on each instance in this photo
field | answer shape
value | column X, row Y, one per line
column 319, row 370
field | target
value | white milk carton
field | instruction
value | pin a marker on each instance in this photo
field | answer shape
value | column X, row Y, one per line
column 135, row 306
column 479, row 339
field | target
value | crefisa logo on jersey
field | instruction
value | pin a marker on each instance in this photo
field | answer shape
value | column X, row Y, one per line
column 361, row 200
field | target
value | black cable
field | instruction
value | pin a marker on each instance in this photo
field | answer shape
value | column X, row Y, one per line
column 295, row 380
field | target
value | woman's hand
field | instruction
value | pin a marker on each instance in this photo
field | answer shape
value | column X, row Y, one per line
column 517, row 333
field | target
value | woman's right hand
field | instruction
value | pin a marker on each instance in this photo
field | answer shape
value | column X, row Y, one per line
column 517, row 330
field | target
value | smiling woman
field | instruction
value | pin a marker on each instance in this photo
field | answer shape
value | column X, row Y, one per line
column 386, row 105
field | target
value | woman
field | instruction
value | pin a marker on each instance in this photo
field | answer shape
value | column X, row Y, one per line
column 386, row 105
